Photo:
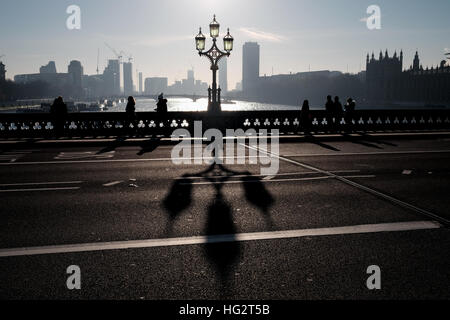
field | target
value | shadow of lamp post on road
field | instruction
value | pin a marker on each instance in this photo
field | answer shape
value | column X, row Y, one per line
column 221, row 248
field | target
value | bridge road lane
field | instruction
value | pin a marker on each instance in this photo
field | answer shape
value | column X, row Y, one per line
column 421, row 178
column 310, row 267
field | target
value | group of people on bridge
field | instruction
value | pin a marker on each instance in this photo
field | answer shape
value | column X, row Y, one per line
column 334, row 114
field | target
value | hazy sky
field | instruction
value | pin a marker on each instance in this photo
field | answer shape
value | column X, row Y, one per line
column 293, row 34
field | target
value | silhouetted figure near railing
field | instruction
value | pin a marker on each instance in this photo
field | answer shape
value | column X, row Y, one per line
column 329, row 107
column 305, row 117
column 338, row 113
column 130, row 111
column 59, row 112
column 161, row 106
column 350, row 107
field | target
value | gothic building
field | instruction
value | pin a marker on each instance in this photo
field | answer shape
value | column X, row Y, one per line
column 388, row 83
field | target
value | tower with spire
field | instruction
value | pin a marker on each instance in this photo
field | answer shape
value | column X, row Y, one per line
column 416, row 63
column 387, row 82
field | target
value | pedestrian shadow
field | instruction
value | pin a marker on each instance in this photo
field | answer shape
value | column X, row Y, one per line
column 178, row 200
column 371, row 138
column 149, row 146
column 221, row 247
column 112, row 146
column 314, row 140
column 359, row 140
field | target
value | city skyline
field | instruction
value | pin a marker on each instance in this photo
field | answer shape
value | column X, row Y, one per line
column 294, row 36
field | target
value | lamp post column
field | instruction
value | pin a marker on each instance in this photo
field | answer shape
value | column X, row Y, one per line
column 214, row 55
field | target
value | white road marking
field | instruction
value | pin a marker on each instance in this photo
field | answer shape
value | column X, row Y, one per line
column 39, row 183
column 13, row 156
column 272, row 180
column 111, row 184
column 260, row 175
column 334, row 154
column 84, row 155
column 212, row 158
column 39, row 189
column 358, row 186
column 122, row 160
column 171, row 242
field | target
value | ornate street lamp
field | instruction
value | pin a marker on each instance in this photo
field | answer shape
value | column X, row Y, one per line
column 214, row 55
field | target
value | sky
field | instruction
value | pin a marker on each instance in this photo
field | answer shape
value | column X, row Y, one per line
column 294, row 35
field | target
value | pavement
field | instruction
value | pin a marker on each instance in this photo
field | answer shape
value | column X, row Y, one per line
column 141, row 227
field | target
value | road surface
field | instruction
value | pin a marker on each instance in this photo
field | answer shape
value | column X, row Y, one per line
column 141, row 227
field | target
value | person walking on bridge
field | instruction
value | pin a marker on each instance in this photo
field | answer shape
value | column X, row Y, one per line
column 329, row 108
column 130, row 111
column 305, row 118
column 59, row 112
column 350, row 107
column 161, row 106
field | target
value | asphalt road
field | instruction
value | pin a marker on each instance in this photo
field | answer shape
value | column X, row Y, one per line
column 308, row 232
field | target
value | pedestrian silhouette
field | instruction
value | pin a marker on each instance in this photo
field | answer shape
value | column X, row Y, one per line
column 329, row 108
column 161, row 106
column 130, row 111
column 350, row 107
column 305, row 117
column 338, row 112
column 59, row 112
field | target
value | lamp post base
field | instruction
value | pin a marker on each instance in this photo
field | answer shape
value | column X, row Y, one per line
column 214, row 107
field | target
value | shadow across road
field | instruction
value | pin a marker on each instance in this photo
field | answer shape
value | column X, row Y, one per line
column 221, row 247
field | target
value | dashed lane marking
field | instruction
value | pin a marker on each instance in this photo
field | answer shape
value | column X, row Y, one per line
column 111, row 184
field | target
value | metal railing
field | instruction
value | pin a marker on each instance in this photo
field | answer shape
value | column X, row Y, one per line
column 151, row 123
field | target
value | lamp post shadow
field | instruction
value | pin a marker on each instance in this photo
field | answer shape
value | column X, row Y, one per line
column 221, row 248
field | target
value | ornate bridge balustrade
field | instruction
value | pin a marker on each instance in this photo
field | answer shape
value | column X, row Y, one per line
column 150, row 123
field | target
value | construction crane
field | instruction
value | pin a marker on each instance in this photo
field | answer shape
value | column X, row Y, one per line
column 118, row 55
column 98, row 58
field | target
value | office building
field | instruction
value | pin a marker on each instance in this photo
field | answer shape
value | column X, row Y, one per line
column 111, row 78
column 75, row 71
column 140, row 83
column 49, row 68
column 128, row 78
column 250, row 67
column 155, row 85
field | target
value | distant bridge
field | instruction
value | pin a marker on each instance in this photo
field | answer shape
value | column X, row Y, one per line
column 194, row 97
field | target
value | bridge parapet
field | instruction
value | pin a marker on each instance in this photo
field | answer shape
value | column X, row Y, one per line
column 150, row 123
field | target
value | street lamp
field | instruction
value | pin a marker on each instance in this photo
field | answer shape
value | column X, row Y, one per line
column 214, row 55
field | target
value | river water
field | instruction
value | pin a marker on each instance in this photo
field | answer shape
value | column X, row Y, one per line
column 184, row 104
